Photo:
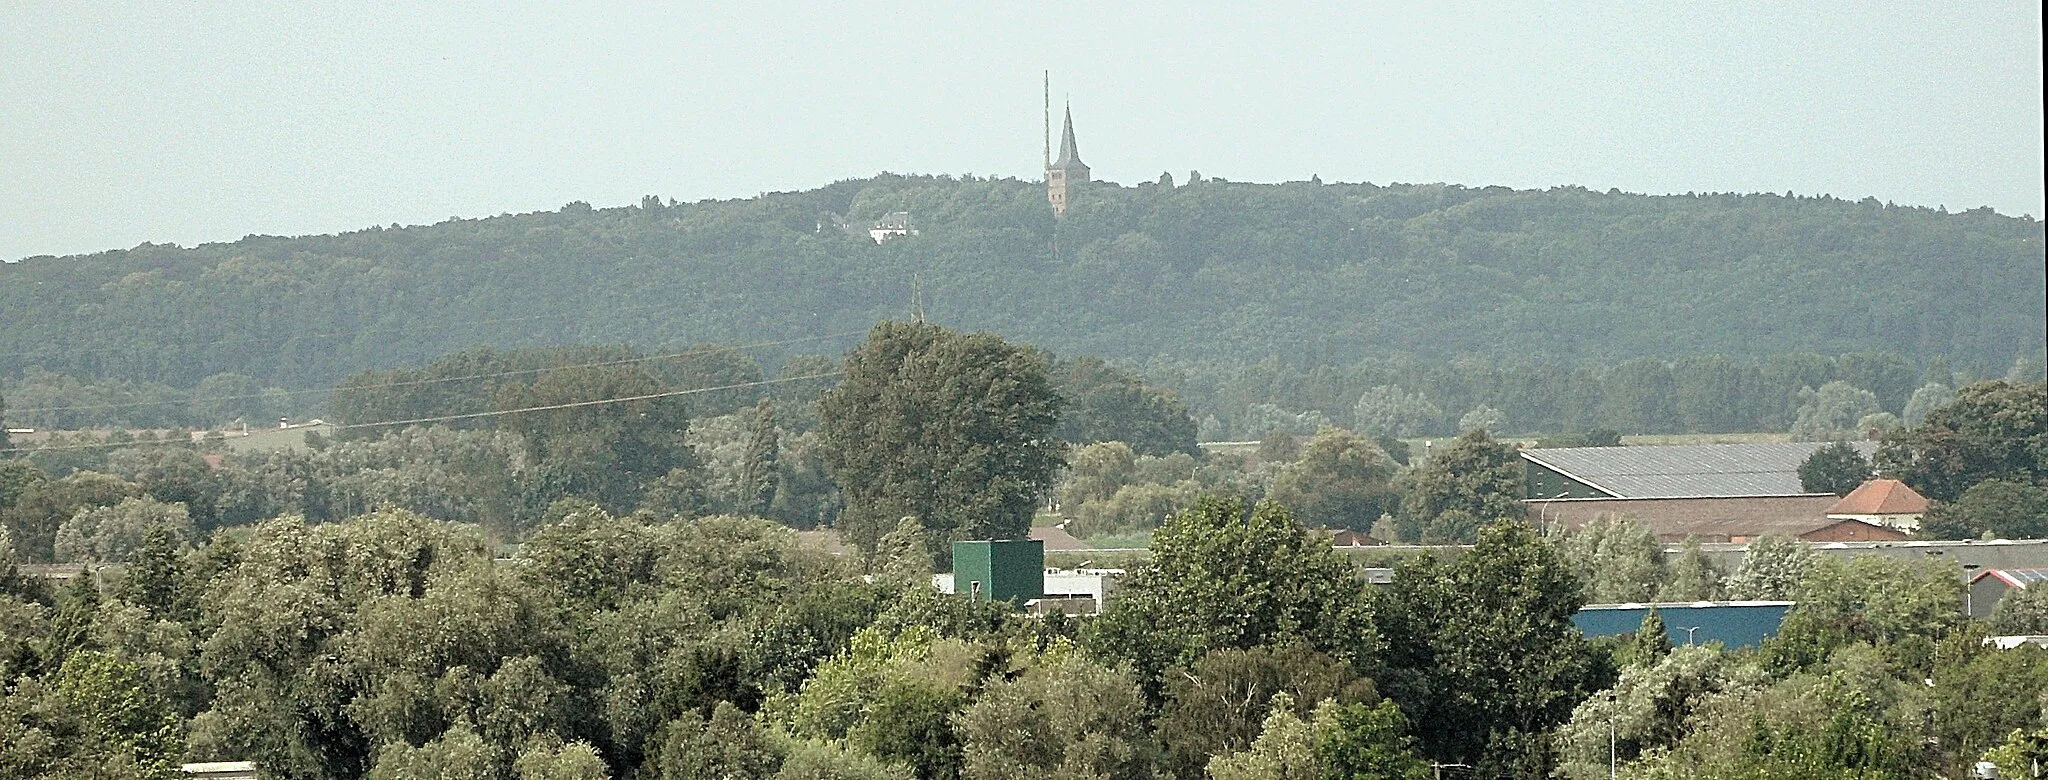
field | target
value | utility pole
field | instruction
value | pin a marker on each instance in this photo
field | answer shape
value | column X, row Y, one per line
column 1610, row 736
column 1439, row 768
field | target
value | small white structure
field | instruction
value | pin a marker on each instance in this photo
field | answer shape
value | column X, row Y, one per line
column 2010, row 642
column 221, row 770
column 1063, row 587
column 893, row 225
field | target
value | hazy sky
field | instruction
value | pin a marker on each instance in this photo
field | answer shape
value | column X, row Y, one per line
column 192, row 122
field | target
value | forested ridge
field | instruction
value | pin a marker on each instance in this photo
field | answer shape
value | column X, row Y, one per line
column 1209, row 274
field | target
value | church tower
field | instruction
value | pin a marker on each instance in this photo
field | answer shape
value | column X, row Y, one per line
column 1068, row 170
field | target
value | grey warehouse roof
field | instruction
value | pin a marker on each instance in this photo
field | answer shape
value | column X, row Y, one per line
column 1686, row 470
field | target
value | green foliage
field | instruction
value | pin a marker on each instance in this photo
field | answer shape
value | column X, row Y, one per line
column 1604, row 437
column 1065, row 716
column 1832, row 411
column 1651, row 707
column 1652, row 640
column 953, row 429
column 1134, row 509
column 758, row 472
column 1337, row 741
column 1224, row 575
column 1483, row 418
column 1772, row 568
column 457, row 755
column 42, row 506
column 1342, row 480
column 606, row 452
column 1928, row 398
column 572, row 761
column 2020, row 752
column 1387, row 409
column 1993, row 508
column 1285, row 749
column 1993, row 430
column 822, row 760
column 1618, row 561
column 111, row 534
column 1216, row 705
column 1360, row 741
column 1482, row 651
column 120, row 720
column 1219, row 270
column 1473, row 475
column 1105, row 404
column 1693, row 577
column 1871, row 599
column 1834, row 468
column 2021, row 611
column 729, row 745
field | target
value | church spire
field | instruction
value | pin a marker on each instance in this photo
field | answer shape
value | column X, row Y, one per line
column 1067, row 170
column 1070, row 157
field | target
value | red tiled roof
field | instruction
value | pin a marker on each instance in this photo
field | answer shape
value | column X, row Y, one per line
column 1880, row 497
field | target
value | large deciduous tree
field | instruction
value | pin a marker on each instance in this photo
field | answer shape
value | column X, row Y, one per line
column 1109, row 405
column 1834, row 468
column 1343, row 480
column 1992, row 430
column 1482, row 651
column 590, row 444
column 953, row 429
column 1225, row 577
column 1473, row 480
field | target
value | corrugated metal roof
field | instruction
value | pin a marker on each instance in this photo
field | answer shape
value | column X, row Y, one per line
column 1687, row 470
column 2015, row 577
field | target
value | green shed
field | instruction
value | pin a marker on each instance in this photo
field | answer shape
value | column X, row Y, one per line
column 1000, row 569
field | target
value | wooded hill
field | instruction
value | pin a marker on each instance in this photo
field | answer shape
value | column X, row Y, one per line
column 1210, row 272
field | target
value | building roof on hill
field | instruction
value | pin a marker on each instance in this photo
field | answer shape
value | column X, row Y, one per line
column 1880, row 497
column 1686, row 470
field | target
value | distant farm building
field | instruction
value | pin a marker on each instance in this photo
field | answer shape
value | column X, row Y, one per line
column 1990, row 586
column 1736, row 519
column 1671, row 471
column 1349, row 538
column 1708, row 492
column 1886, row 502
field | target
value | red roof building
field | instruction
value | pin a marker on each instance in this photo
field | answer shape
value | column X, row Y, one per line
column 1886, row 502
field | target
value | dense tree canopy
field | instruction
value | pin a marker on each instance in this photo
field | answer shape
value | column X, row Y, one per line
column 953, row 429
column 1215, row 272
column 1992, row 430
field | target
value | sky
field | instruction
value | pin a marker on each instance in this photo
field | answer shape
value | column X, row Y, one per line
column 193, row 122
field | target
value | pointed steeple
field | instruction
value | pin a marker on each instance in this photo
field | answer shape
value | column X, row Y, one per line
column 1067, row 170
column 1070, row 157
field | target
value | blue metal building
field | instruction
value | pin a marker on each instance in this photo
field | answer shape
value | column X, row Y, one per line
column 1731, row 623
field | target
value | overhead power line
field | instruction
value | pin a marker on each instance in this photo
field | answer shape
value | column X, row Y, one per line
column 416, row 382
column 465, row 416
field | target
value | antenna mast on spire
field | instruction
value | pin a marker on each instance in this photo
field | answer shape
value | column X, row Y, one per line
column 1048, row 118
